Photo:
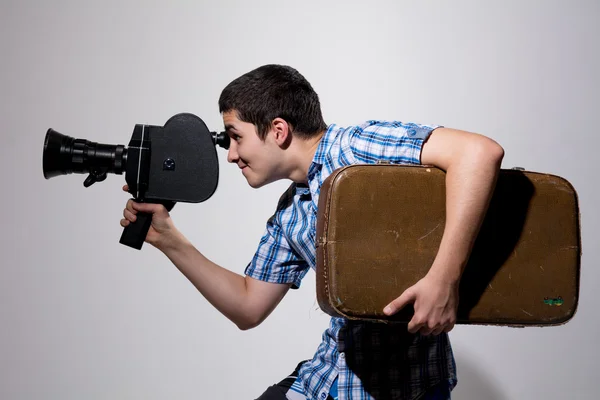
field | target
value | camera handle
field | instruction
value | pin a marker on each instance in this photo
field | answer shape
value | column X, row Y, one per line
column 135, row 233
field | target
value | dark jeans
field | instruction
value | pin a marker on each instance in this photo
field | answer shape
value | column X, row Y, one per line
column 278, row 391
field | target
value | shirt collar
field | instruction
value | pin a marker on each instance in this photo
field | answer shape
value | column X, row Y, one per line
column 322, row 150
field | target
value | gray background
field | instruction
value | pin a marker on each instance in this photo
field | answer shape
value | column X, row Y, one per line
column 83, row 317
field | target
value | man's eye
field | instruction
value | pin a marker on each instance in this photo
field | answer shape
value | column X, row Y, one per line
column 236, row 137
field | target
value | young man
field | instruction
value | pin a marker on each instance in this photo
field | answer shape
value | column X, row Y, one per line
column 274, row 120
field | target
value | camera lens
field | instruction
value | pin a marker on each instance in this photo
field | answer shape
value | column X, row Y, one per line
column 65, row 155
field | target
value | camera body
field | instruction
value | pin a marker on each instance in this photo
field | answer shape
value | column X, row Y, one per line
column 166, row 164
column 175, row 162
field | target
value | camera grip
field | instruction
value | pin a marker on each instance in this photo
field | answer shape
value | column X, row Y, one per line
column 135, row 233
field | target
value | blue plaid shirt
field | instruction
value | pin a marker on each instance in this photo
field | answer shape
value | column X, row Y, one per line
column 370, row 360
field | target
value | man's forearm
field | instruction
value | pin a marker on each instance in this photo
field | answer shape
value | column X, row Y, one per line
column 224, row 289
column 470, row 183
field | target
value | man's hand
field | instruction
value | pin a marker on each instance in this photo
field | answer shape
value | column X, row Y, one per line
column 435, row 301
column 162, row 232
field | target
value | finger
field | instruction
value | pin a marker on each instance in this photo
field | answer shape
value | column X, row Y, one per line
column 448, row 328
column 129, row 206
column 126, row 188
column 405, row 298
column 150, row 208
column 415, row 325
column 124, row 223
column 438, row 331
column 426, row 330
column 129, row 215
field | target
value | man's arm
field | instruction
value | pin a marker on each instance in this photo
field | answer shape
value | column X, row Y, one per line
column 472, row 163
column 244, row 300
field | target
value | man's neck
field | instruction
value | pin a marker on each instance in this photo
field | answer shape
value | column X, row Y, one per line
column 305, row 153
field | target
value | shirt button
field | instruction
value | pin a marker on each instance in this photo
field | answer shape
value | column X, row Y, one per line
column 342, row 355
column 323, row 395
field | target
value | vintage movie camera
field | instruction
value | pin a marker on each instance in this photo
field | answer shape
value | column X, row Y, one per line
column 166, row 164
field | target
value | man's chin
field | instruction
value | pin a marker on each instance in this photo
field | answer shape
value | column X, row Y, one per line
column 255, row 183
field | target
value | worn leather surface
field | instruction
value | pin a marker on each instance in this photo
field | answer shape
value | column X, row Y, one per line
column 379, row 228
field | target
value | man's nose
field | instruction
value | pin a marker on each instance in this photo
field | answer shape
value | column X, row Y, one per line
column 232, row 155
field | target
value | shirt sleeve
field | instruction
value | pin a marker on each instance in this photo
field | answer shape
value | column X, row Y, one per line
column 275, row 260
column 389, row 141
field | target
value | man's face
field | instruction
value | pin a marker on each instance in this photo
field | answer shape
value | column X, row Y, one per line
column 256, row 158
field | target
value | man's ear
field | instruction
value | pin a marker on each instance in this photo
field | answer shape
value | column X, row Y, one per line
column 282, row 132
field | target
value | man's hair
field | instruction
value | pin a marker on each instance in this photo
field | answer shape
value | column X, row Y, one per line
column 274, row 91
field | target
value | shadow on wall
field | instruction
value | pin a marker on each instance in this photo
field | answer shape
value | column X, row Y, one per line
column 473, row 384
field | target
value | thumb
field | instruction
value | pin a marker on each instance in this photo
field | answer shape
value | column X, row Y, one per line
column 405, row 298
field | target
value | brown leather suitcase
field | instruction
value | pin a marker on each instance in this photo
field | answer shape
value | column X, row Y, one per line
column 379, row 228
